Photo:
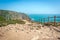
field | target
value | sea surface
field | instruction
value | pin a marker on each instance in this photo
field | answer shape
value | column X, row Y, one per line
column 38, row 17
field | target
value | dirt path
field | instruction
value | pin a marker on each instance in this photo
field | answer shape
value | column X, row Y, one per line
column 25, row 32
column 35, row 37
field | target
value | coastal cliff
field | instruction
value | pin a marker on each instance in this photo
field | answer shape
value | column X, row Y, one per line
column 12, row 17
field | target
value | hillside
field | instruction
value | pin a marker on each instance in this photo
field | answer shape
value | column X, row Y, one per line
column 11, row 17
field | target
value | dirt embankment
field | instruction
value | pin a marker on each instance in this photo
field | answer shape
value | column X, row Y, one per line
column 28, row 32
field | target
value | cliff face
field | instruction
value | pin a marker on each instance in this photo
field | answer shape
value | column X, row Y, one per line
column 13, row 15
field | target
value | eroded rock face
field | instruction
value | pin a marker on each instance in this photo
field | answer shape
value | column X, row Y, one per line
column 24, row 32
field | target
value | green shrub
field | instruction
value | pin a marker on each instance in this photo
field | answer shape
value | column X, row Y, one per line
column 2, row 18
column 4, row 22
column 16, row 21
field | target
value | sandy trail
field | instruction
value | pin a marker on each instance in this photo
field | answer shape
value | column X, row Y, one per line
column 35, row 38
column 27, row 32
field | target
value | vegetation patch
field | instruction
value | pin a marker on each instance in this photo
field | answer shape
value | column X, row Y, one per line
column 15, row 21
column 4, row 22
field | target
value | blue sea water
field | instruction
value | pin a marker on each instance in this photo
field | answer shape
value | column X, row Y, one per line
column 37, row 17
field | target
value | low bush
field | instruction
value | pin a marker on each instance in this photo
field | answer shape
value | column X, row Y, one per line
column 4, row 22
column 15, row 21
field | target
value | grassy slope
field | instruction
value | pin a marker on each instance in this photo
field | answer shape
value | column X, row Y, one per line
column 10, row 17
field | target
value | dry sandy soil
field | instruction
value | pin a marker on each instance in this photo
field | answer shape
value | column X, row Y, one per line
column 29, row 32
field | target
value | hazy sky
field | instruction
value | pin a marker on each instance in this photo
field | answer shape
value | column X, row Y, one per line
column 31, row 6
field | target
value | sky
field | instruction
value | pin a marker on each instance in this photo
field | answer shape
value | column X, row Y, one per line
column 31, row 6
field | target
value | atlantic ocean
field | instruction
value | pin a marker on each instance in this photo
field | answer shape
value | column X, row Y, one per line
column 37, row 17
